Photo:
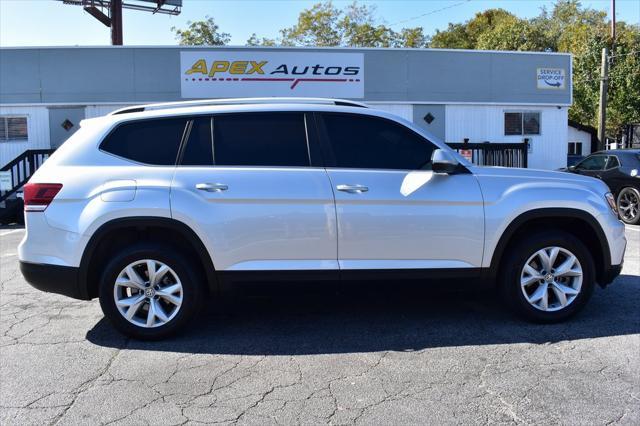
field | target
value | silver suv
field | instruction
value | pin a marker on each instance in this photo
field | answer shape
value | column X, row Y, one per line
column 152, row 207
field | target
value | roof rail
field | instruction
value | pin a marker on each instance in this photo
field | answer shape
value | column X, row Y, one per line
column 237, row 101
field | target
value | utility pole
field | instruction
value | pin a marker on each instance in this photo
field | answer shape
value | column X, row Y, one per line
column 116, row 22
column 604, row 79
column 613, row 22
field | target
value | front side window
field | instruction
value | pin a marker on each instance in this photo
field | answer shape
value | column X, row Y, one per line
column 595, row 162
column 521, row 123
column 13, row 129
column 154, row 142
column 276, row 139
column 366, row 142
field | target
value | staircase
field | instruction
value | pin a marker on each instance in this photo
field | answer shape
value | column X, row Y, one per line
column 21, row 169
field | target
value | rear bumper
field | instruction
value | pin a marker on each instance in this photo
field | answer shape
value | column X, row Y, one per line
column 52, row 278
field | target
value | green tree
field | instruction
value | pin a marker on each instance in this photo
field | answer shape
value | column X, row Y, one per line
column 323, row 24
column 512, row 34
column 254, row 40
column 317, row 26
column 201, row 33
column 566, row 27
column 466, row 35
column 412, row 37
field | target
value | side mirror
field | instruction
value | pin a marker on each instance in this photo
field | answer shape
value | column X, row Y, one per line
column 572, row 168
column 443, row 162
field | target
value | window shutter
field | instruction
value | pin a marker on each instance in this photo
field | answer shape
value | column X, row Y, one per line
column 16, row 128
column 512, row 123
column 3, row 129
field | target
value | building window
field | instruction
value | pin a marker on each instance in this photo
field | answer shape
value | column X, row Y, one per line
column 521, row 123
column 13, row 129
column 575, row 148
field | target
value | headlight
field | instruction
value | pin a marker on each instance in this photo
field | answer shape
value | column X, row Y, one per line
column 612, row 202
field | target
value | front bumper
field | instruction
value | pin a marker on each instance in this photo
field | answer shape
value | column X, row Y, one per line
column 610, row 274
column 52, row 278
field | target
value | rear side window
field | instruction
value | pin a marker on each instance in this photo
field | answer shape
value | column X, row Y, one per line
column 153, row 142
column 199, row 149
column 260, row 139
column 364, row 142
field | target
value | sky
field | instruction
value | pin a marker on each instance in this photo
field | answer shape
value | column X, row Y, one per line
column 52, row 23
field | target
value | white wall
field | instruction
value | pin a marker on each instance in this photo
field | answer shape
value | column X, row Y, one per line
column 482, row 123
column 575, row 135
column 37, row 130
column 92, row 111
column 403, row 110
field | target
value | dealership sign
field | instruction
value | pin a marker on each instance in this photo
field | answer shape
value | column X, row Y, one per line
column 250, row 73
column 551, row 78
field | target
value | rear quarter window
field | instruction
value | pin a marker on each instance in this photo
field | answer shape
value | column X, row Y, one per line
column 154, row 142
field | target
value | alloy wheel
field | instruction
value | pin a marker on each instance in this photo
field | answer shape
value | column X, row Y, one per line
column 628, row 205
column 551, row 279
column 148, row 293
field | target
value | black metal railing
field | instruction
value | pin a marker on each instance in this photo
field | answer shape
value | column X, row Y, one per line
column 494, row 154
column 22, row 168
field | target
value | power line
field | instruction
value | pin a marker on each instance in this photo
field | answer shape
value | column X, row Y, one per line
column 429, row 13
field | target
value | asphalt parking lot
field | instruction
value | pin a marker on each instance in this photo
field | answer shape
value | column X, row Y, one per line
column 378, row 357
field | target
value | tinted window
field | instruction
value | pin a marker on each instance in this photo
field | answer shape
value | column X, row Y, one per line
column 150, row 142
column 612, row 162
column 373, row 143
column 260, row 139
column 199, row 151
column 595, row 162
column 521, row 123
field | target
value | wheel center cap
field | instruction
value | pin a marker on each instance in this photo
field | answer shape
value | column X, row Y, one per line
column 149, row 292
column 549, row 277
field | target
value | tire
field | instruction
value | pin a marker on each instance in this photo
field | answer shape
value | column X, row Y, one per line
column 628, row 204
column 177, row 282
column 526, row 252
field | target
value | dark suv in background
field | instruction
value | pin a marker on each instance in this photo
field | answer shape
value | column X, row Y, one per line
column 620, row 170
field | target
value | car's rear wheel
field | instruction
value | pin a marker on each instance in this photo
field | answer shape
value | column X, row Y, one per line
column 149, row 292
column 629, row 205
column 548, row 277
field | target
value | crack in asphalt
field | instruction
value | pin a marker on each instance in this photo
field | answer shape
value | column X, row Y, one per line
column 416, row 367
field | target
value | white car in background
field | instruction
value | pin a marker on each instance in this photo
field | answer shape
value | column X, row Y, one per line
column 151, row 207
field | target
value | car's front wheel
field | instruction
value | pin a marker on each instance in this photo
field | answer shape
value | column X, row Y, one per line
column 149, row 291
column 548, row 276
column 629, row 205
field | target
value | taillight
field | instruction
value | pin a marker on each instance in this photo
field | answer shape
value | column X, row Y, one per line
column 38, row 196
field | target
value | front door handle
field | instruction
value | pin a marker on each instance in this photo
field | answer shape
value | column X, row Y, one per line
column 352, row 189
column 212, row 187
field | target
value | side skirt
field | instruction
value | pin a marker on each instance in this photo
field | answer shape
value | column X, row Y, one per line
column 230, row 279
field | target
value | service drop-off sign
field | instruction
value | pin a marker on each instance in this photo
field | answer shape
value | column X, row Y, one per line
column 551, row 78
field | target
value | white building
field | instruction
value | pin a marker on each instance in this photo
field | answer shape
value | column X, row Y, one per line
column 455, row 94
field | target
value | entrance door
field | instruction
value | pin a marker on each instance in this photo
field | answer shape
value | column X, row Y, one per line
column 393, row 211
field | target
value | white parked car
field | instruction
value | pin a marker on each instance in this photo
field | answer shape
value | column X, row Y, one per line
column 150, row 208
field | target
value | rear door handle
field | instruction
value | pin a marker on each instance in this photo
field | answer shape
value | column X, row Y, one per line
column 212, row 187
column 352, row 189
